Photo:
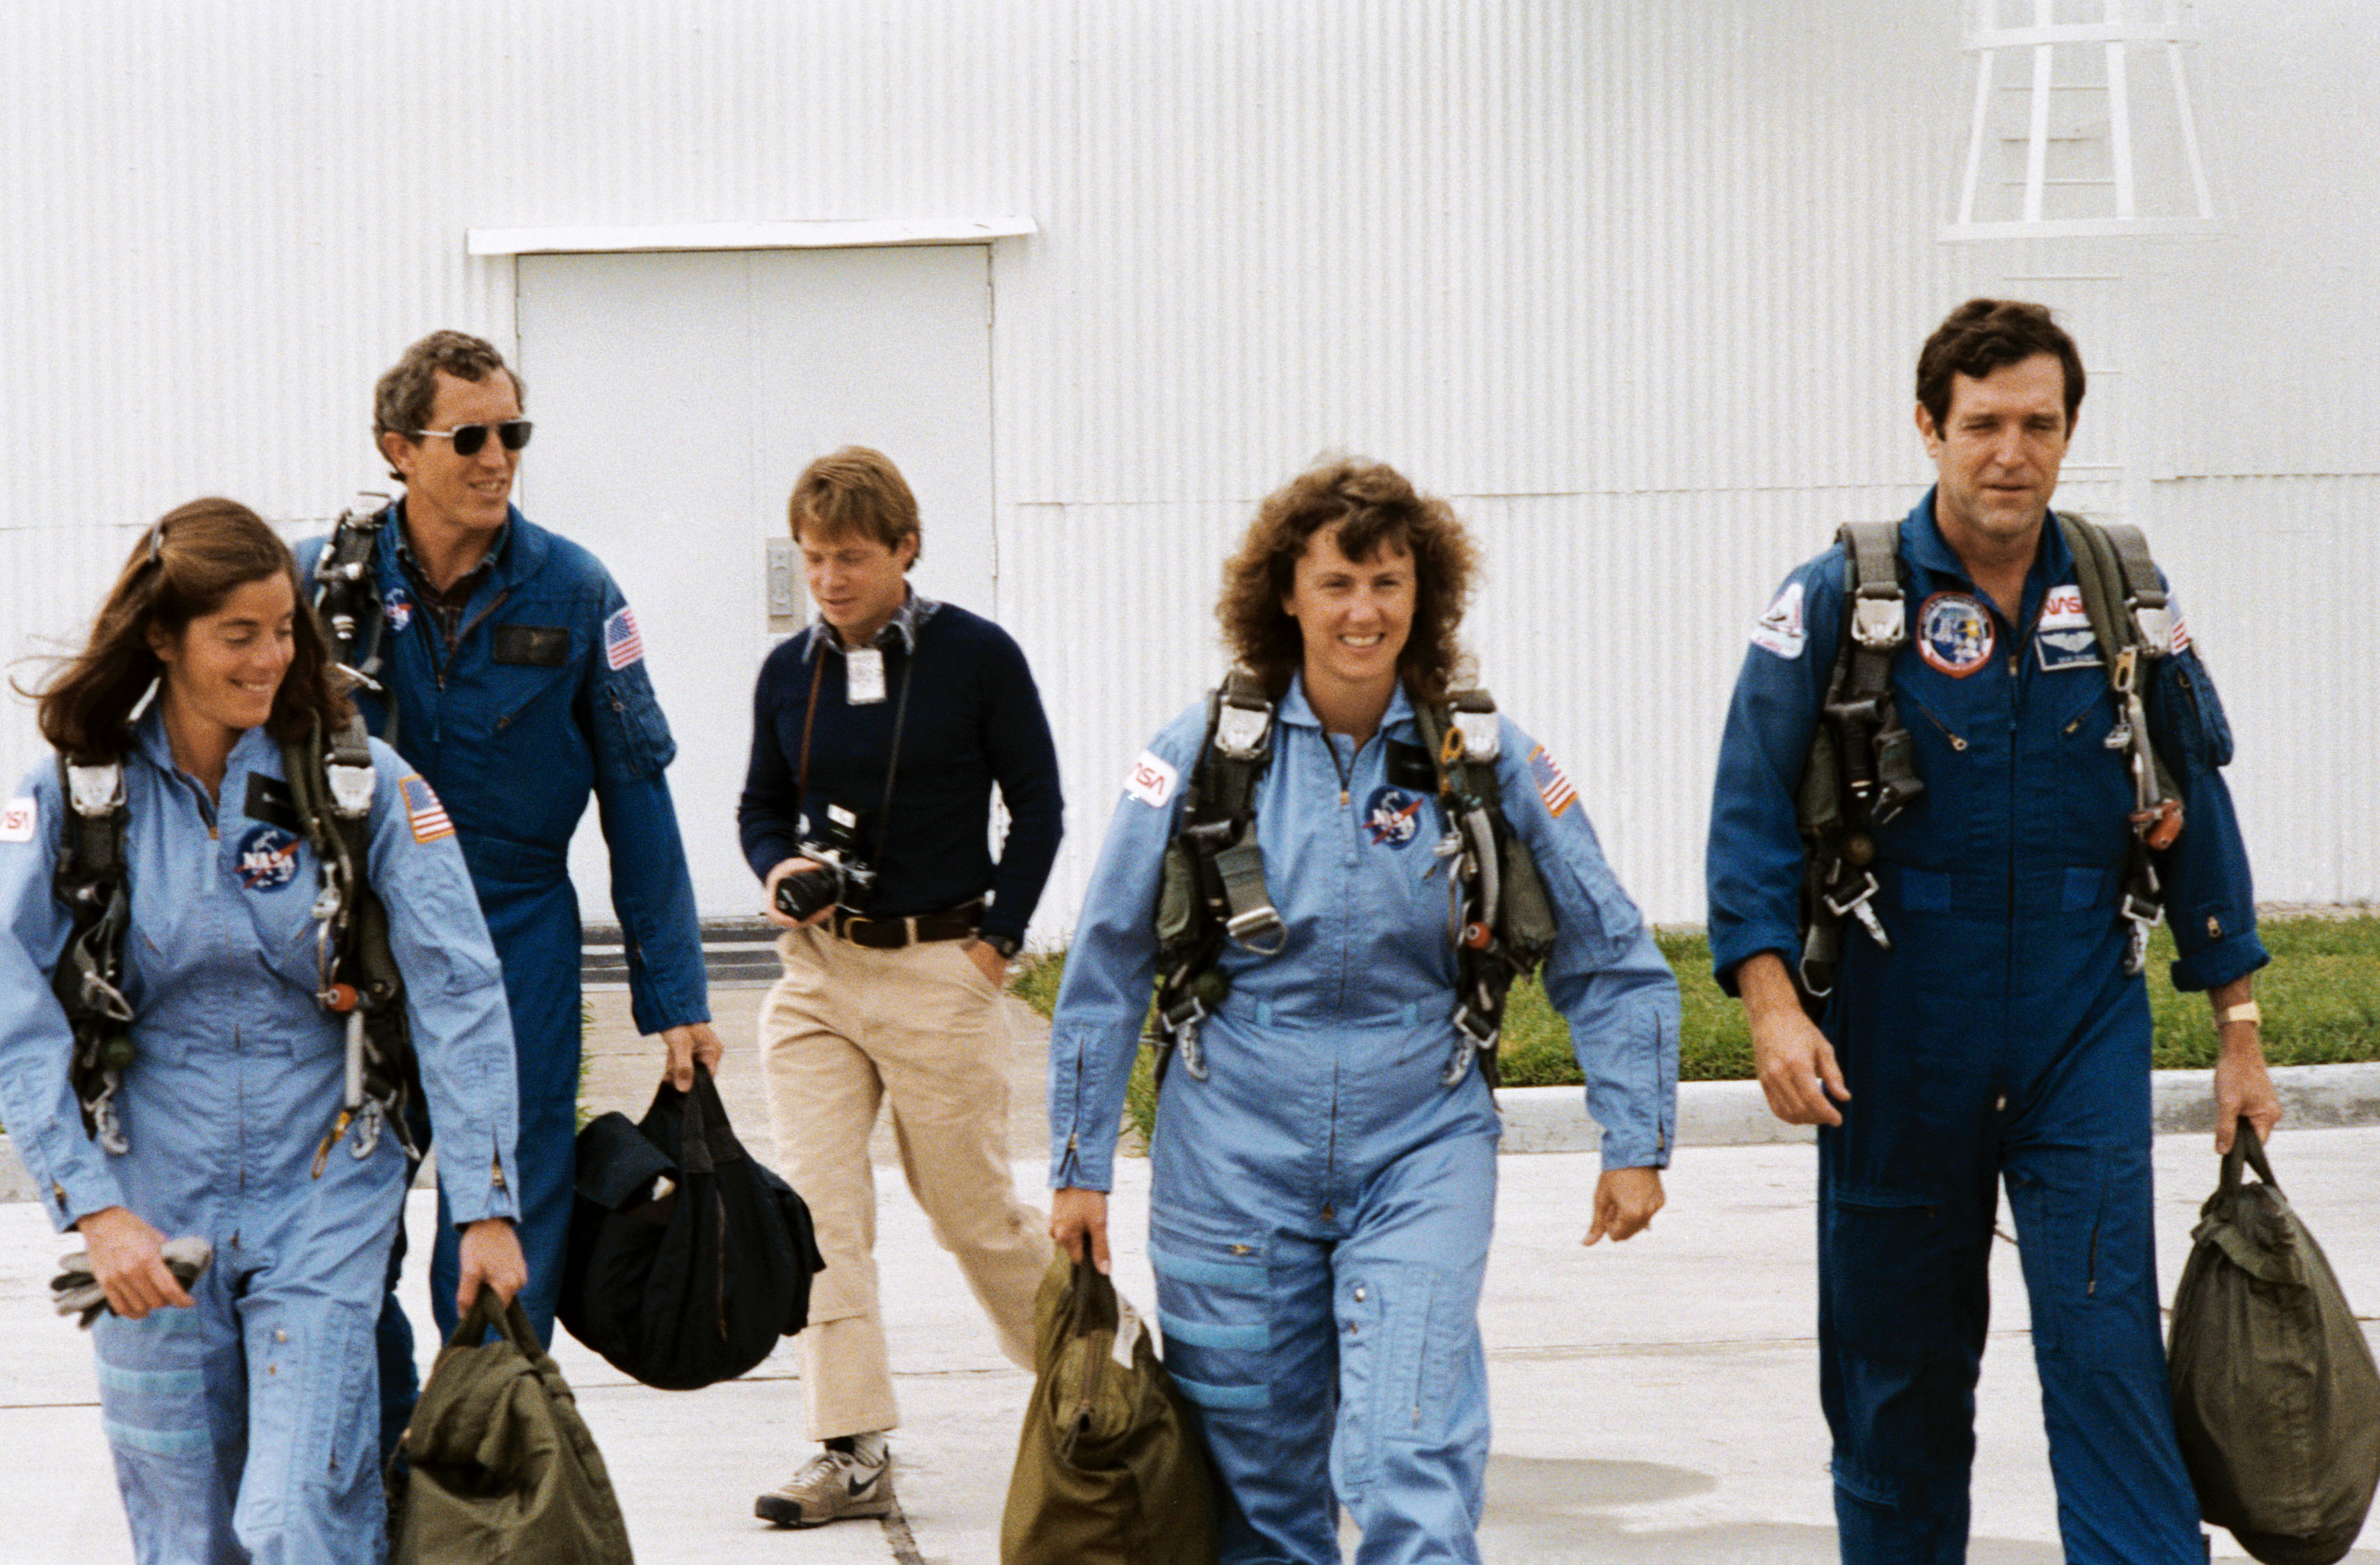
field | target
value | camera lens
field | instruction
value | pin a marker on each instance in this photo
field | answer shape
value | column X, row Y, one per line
column 805, row 892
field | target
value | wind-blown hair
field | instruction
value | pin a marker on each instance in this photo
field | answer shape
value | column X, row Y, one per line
column 1375, row 506
column 182, row 569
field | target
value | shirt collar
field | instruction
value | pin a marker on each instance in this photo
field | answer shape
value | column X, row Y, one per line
column 1922, row 541
column 488, row 562
column 1295, row 708
column 150, row 739
column 905, row 622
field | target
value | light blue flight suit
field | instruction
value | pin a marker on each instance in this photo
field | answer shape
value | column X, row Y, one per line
column 1998, row 1038
column 545, row 702
column 1321, row 1203
column 246, row 1429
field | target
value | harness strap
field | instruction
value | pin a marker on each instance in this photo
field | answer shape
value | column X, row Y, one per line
column 91, row 880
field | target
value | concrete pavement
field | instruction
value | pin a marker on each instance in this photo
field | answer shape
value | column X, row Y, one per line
column 1654, row 1400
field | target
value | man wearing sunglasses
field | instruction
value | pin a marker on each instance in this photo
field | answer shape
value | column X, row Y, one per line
column 510, row 673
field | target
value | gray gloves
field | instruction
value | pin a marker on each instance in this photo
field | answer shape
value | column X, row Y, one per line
column 77, row 1292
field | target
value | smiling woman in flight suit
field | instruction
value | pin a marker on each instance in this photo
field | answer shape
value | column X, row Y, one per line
column 1322, row 1194
column 241, row 1411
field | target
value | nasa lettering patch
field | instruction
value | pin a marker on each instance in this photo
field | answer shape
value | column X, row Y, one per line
column 268, row 858
column 1781, row 630
column 16, row 822
column 1392, row 816
column 2062, row 637
column 1151, row 779
column 1954, row 633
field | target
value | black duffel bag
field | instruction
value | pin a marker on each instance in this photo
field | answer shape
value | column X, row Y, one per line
column 2275, row 1396
column 688, row 1259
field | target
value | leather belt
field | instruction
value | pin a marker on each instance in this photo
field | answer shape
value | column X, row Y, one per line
column 892, row 934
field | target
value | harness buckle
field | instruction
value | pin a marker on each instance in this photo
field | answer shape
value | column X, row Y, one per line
column 104, row 998
column 1241, row 732
column 1473, row 1035
column 95, row 790
column 351, row 789
column 2124, row 674
column 1483, row 738
column 1857, row 907
column 2159, row 824
column 1194, row 1056
column 2144, row 914
column 1252, row 930
column 2155, row 622
column 1877, row 622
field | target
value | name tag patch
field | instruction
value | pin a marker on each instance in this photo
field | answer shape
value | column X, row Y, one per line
column 538, row 646
column 268, row 858
column 1151, row 779
column 863, row 676
column 1781, row 630
column 1392, row 816
column 269, row 801
column 1954, row 633
column 17, row 821
column 422, row 809
column 2062, row 637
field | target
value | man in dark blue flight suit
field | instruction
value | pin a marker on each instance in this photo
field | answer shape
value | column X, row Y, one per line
column 2000, row 1035
column 514, row 678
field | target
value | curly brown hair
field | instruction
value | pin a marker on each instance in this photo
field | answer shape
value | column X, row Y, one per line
column 182, row 569
column 1983, row 335
column 1375, row 506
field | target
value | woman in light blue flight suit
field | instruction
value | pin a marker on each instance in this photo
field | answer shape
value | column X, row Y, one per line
column 1322, row 1200
column 241, row 1412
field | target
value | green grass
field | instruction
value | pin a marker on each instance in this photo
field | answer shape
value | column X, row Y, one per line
column 2320, row 1000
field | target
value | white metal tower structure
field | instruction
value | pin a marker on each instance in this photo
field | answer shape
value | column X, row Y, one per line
column 2077, row 146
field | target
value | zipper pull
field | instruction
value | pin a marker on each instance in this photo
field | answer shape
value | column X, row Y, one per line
column 1342, row 798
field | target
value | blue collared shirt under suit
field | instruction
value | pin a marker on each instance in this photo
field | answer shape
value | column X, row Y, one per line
column 544, row 700
column 246, row 1427
column 1321, row 1202
column 1998, row 1038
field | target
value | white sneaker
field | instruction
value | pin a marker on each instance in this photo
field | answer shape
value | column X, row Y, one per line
column 831, row 1486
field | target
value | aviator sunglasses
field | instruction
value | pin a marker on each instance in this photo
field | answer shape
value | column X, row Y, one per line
column 469, row 438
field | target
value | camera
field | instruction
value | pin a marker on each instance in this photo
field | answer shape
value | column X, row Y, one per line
column 838, row 875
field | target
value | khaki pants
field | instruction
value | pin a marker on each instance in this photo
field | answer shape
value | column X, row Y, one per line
column 847, row 1028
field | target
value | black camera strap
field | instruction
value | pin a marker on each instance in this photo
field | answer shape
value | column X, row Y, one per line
column 891, row 764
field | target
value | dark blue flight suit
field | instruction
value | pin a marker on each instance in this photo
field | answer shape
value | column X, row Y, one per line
column 544, row 700
column 1999, row 1039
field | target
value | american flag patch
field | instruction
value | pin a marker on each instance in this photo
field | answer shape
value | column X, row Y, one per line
column 621, row 645
column 1552, row 786
column 421, row 807
column 2181, row 633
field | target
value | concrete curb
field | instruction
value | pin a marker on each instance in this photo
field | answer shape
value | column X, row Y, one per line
column 1553, row 1119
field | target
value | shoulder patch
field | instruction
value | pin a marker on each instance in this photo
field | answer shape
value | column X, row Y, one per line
column 17, row 821
column 2180, row 639
column 422, row 808
column 621, row 645
column 1781, row 630
column 1151, row 779
column 1552, row 786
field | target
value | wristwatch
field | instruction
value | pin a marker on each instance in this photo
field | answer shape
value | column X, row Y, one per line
column 1005, row 944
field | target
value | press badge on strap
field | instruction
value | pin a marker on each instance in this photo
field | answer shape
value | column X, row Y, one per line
column 863, row 676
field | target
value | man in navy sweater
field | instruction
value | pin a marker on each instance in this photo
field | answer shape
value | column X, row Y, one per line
column 879, row 732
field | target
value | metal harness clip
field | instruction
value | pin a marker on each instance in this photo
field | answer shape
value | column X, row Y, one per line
column 1857, row 907
column 1483, row 738
column 1877, row 622
column 1240, row 732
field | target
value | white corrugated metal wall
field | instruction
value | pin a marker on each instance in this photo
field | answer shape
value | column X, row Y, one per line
column 1638, row 287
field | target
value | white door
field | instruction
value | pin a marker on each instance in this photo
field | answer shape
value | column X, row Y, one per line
column 676, row 396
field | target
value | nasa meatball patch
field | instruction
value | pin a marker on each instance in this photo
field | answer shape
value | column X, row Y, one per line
column 1781, row 630
column 1954, row 633
column 1392, row 816
column 17, row 821
column 268, row 858
column 1151, row 779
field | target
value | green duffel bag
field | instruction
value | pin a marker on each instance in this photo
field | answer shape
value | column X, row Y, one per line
column 2275, row 1396
column 1109, row 1470
column 504, row 1471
